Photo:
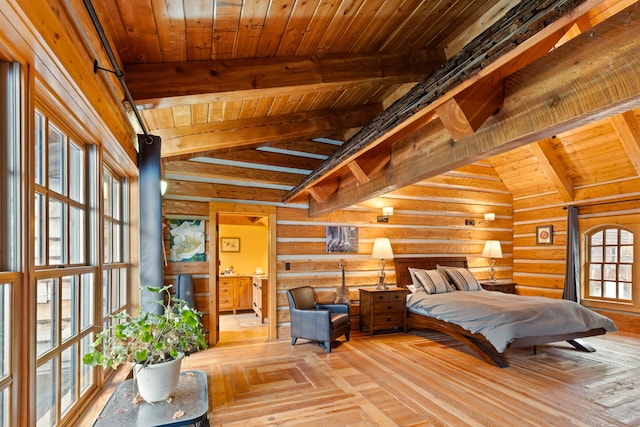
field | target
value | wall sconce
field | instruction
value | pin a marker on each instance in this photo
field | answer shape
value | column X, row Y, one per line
column 490, row 216
column 387, row 211
column 163, row 187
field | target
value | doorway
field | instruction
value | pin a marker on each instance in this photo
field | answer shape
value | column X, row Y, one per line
column 242, row 248
column 243, row 256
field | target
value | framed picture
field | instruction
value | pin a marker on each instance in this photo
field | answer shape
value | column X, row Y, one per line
column 187, row 240
column 229, row 244
column 342, row 239
column 544, row 234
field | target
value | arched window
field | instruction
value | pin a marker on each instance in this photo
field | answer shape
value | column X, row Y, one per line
column 610, row 264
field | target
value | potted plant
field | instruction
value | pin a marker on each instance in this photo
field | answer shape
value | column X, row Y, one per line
column 153, row 342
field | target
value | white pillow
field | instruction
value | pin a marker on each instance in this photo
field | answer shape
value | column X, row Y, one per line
column 432, row 281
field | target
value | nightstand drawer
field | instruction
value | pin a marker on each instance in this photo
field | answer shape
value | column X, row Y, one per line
column 389, row 296
column 381, row 307
column 387, row 320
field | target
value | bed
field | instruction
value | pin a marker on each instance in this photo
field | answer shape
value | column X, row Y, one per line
column 483, row 339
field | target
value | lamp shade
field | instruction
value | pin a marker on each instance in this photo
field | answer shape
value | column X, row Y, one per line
column 382, row 248
column 492, row 249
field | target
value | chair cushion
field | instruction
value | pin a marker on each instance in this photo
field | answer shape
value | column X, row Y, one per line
column 304, row 298
column 338, row 320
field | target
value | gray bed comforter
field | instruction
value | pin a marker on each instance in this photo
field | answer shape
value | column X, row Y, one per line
column 502, row 318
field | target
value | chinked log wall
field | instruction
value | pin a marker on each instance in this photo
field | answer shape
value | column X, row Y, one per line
column 429, row 218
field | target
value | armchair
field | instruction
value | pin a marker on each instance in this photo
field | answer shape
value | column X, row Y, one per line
column 318, row 322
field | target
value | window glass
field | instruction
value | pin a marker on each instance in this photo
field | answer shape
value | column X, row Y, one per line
column 106, row 309
column 76, row 235
column 5, row 323
column 46, row 378
column 56, row 147
column 86, row 379
column 87, row 298
column 107, row 242
column 76, row 172
column 39, row 149
column 68, row 378
column 56, row 232
column 69, row 307
column 46, row 309
column 123, row 287
column 39, row 229
column 5, row 407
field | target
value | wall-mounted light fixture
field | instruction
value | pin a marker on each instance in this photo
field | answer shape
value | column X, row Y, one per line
column 489, row 216
column 163, row 187
column 387, row 211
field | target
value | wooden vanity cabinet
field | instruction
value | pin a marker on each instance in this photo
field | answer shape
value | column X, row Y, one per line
column 235, row 293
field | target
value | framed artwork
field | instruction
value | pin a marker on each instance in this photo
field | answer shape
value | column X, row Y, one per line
column 229, row 244
column 342, row 239
column 187, row 239
column 544, row 234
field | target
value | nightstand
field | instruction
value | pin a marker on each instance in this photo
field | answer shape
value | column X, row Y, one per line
column 507, row 288
column 383, row 309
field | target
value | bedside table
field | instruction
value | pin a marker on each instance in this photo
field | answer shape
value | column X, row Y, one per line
column 382, row 309
column 507, row 288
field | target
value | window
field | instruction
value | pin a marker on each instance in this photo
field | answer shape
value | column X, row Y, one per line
column 65, row 280
column 610, row 264
column 10, row 226
column 114, row 270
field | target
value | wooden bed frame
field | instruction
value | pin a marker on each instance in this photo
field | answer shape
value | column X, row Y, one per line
column 476, row 342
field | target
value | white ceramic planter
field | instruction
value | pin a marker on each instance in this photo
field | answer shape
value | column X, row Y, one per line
column 157, row 382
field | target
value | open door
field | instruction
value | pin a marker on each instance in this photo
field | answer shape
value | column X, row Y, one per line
column 215, row 210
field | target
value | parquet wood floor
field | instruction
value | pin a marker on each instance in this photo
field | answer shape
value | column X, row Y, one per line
column 414, row 380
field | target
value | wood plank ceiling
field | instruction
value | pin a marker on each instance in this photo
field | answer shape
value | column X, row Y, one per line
column 334, row 102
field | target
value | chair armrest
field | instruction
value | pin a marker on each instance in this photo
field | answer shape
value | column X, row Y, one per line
column 334, row 308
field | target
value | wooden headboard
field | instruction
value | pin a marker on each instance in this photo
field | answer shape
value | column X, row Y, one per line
column 402, row 264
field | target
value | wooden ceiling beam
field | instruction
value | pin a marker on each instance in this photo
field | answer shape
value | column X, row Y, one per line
column 250, row 132
column 592, row 77
column 525, row 33
column 628, row 130
column 357, row 172
column 464, row 113
column 320, row 192
column 553, row 168
column 235, row 173
column 198, row 82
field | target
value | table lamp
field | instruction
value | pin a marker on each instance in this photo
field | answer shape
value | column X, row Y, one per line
column 492, row 250
column 382, row 250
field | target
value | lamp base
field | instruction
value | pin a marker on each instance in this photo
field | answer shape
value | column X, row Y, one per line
column 381, row 275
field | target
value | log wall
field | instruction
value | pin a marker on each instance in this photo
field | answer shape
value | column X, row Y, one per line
column 429, row 218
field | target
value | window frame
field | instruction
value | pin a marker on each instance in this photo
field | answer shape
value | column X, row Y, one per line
column 628, row 223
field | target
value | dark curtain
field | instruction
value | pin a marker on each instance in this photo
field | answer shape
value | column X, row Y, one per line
column 572, row 274
column 151, row 261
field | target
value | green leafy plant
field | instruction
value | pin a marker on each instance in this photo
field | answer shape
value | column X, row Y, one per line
column 150, row 338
